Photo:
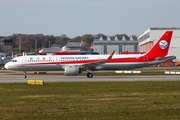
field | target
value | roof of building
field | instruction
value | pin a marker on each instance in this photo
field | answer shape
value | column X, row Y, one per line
column 73, row 44
column 51, row 50
column 165, row 28
column 118, row 38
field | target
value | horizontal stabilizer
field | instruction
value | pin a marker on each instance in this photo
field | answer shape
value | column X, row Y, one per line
column 167, row 58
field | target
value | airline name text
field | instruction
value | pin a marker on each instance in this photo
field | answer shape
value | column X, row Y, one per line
column 75, row 58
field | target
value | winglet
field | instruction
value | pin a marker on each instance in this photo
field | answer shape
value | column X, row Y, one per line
column 111, row 55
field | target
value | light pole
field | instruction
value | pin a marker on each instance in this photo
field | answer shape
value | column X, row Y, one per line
column 20, row 46
column 49, row 44
column 35, row 45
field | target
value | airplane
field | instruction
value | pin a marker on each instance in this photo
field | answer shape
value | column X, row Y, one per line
column 73, row 65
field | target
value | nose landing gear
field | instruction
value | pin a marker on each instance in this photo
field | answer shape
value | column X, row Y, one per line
column 24, row 76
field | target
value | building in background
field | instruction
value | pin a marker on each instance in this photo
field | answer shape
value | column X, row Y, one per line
column 49, row 51
column 70, row 46
column 117, row 43
column 6, row 47
column 149, row 37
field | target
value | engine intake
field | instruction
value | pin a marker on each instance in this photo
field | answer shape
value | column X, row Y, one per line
column 72, row 70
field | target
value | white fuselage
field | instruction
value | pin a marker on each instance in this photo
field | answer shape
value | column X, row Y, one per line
column 57, row 62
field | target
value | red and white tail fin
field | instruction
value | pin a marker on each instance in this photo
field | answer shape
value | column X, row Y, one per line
column 161, row 47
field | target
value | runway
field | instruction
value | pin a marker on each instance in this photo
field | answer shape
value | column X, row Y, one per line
column 16, row 77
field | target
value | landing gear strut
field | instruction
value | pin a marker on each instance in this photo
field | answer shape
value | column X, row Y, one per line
column 24, row 76
column 89, row 75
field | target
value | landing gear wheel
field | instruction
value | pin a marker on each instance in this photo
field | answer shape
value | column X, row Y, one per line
column 89, row 75
column 24, row 76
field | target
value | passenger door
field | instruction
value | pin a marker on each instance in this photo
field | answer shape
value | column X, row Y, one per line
column 57, row 60
column 23, row 61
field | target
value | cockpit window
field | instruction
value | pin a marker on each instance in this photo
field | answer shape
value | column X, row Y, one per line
column 13, row 60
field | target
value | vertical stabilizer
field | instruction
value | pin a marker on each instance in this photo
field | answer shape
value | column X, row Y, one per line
column 161, row 47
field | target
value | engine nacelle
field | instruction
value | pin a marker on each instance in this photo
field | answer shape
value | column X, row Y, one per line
column 71, row 70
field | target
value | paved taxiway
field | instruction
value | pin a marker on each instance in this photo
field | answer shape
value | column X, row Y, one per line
column 16, row 77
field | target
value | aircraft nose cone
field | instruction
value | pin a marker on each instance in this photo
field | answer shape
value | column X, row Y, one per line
column 6, row 66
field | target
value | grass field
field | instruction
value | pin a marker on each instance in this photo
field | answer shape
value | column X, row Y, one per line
column 91, row 100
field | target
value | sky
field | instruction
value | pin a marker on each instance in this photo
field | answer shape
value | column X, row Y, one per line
column 80, row 17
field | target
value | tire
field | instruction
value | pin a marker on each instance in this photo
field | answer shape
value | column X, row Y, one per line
column 89, row 75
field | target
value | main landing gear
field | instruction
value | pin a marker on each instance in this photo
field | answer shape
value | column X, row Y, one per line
column 24, row 76
column 89, row 75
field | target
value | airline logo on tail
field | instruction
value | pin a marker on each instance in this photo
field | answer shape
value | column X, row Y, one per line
column 161, row 47
column 163, row 44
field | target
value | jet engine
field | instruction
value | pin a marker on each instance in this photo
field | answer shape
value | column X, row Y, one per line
column 72, row 70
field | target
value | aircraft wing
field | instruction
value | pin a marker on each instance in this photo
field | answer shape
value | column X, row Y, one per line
column 94, row 64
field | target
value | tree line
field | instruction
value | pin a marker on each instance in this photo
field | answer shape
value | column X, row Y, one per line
column 30, row 42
